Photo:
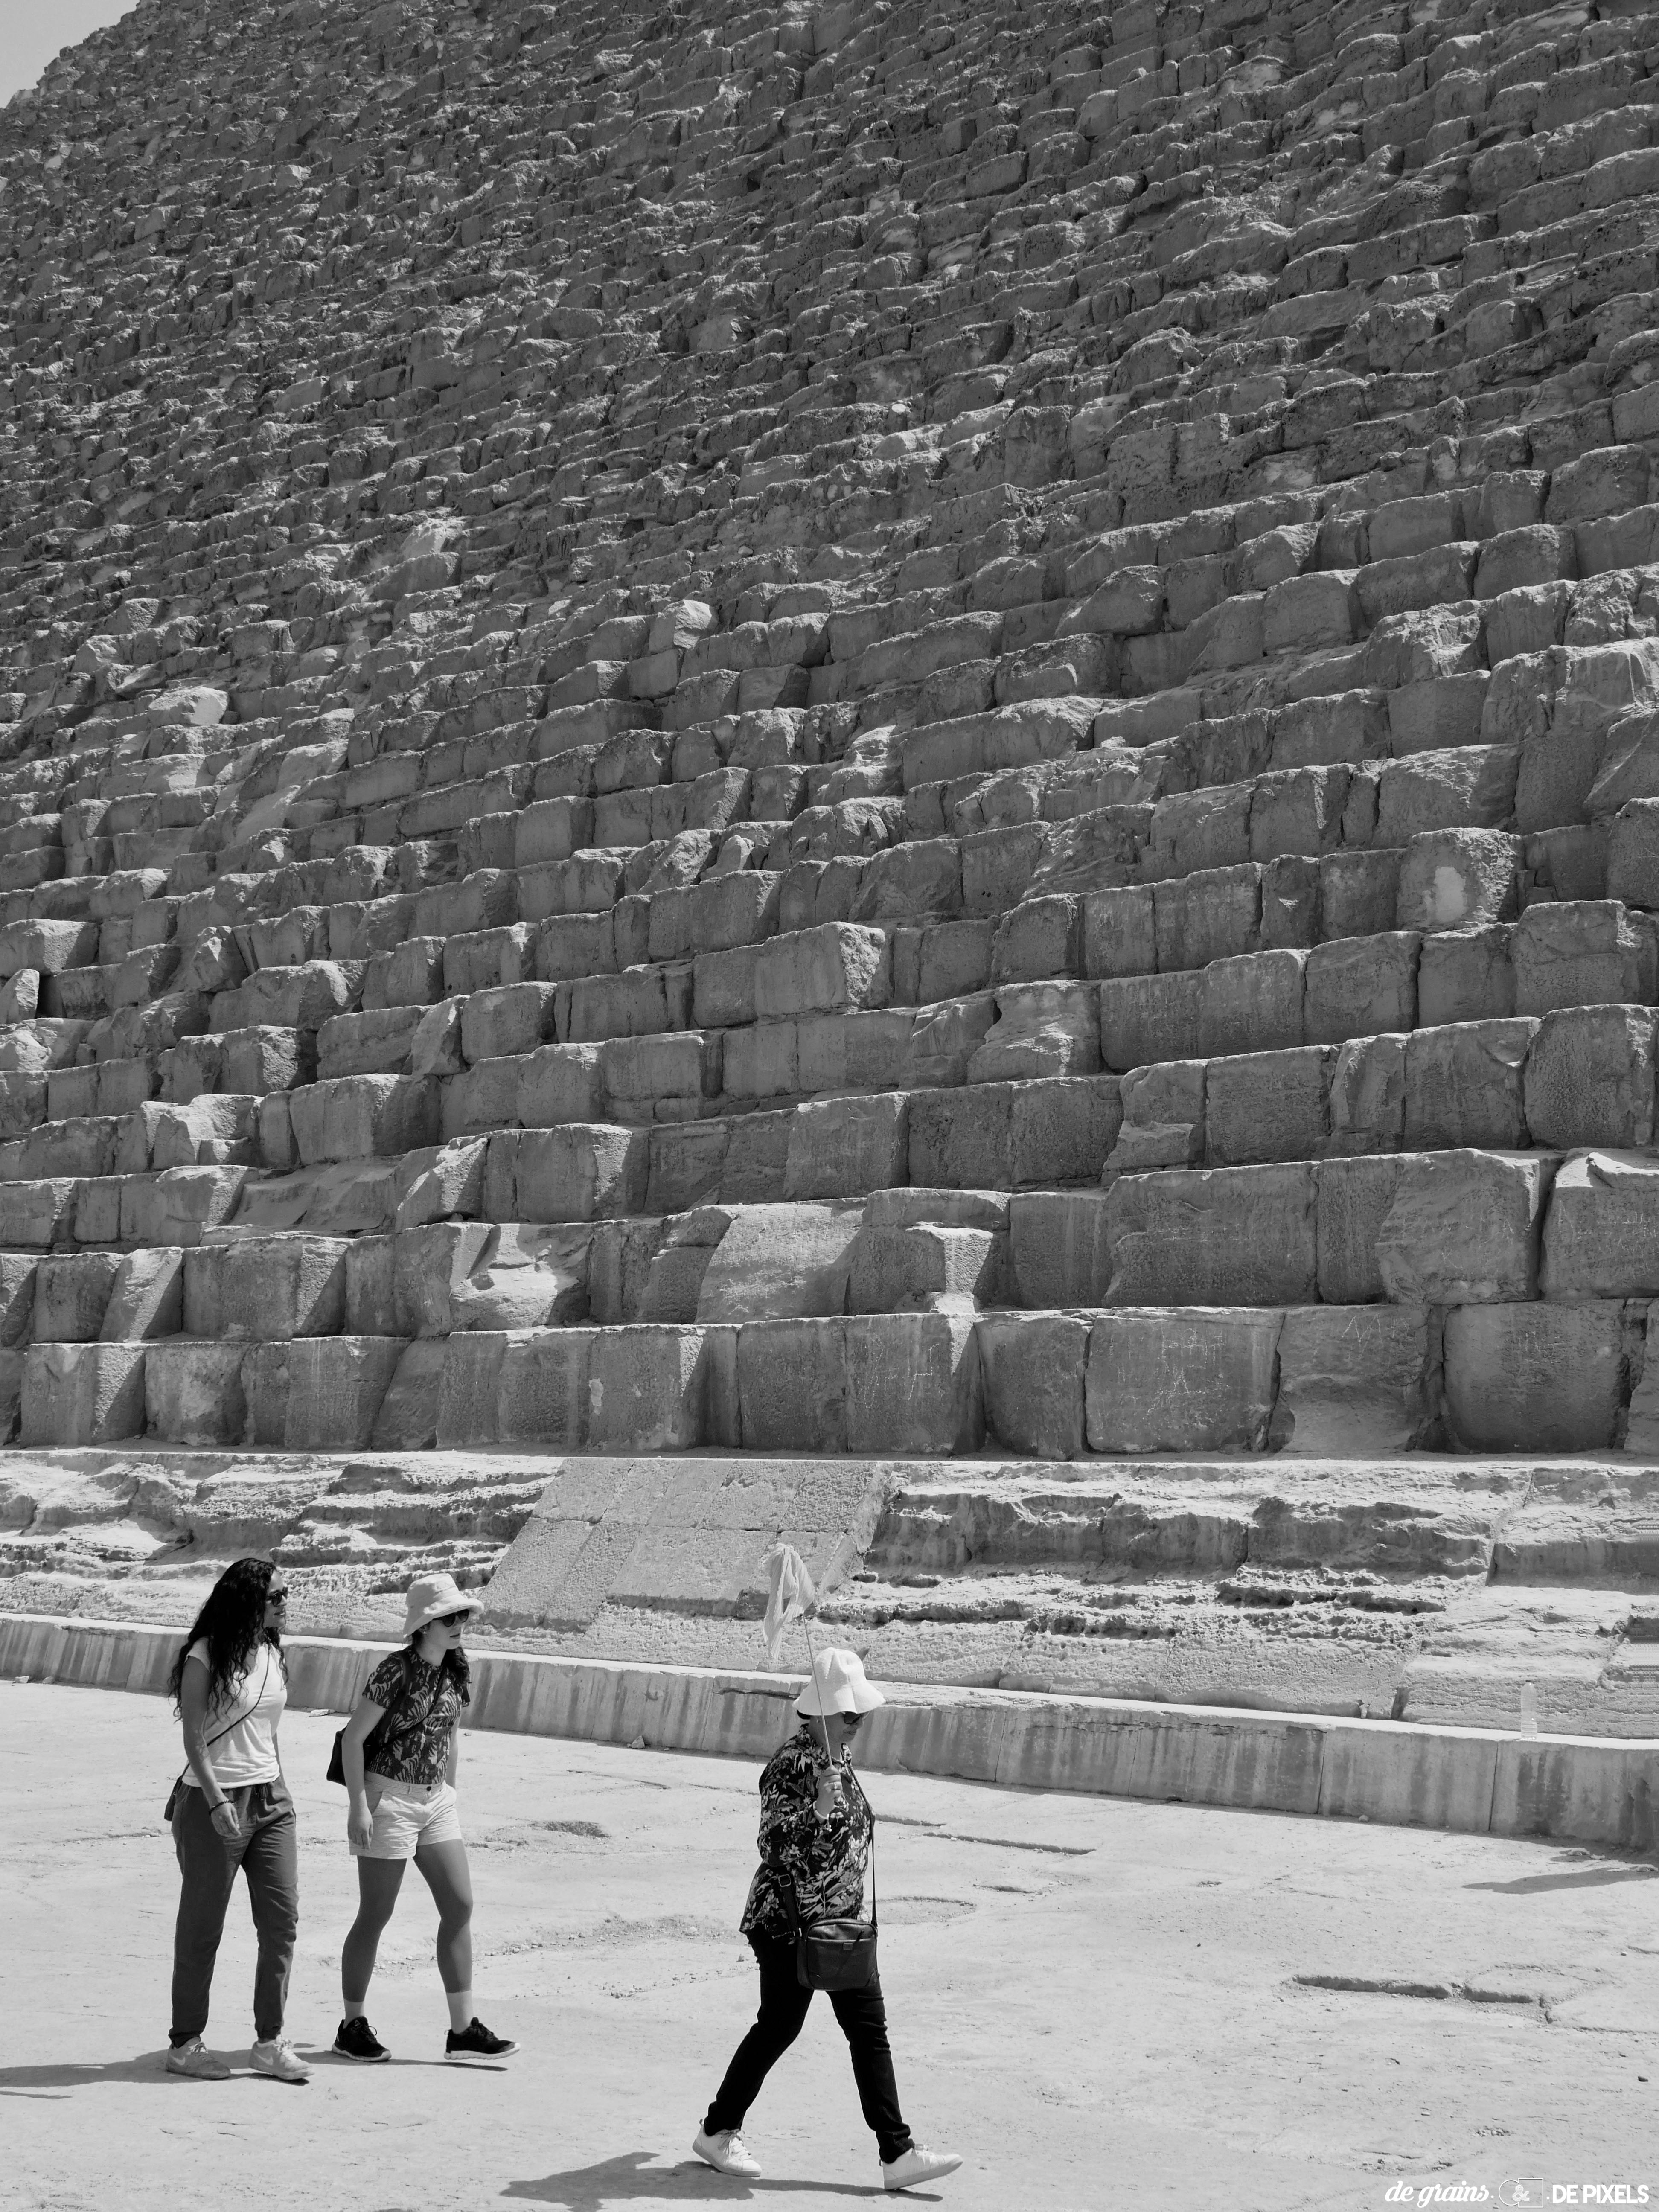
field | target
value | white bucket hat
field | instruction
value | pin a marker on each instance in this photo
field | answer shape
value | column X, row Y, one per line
column 838, row 1685
column 431, row 1596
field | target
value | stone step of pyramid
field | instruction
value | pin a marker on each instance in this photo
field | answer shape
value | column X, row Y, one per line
column 908, row 740
column 1419, row 1587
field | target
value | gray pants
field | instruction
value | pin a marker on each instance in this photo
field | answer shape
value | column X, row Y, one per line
column 266, row 1851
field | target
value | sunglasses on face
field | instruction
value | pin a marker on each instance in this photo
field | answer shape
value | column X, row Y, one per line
column 277, row 1597
column 450, row 1619
column 851, row 1720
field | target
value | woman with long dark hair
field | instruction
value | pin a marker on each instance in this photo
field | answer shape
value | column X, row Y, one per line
column 231, row 1809
column 400, row 1751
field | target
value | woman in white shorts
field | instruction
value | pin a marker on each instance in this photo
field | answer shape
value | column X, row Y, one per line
column 399, row 1750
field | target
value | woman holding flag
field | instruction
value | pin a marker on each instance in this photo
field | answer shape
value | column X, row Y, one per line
column 816, row 1835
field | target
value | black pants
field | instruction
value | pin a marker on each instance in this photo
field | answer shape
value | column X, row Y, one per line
column 266, row 1851
column 863, row 2018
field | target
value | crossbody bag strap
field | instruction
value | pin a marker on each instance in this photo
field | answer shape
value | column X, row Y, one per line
column 235, row 1723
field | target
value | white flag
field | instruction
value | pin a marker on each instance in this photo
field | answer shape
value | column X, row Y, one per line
column 790, row 1596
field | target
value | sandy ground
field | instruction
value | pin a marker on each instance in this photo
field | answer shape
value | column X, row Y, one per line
column 1096, row 2002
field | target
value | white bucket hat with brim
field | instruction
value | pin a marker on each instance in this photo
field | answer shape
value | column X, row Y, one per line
column 430, row 1597
column 838, row 1685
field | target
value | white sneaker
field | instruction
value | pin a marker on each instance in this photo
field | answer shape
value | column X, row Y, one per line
column 918, row 2164
column 276, row 2057
column 727, row 2152
column 195, row 2061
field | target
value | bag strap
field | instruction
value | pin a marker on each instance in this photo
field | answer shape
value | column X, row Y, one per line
column 208, row 1745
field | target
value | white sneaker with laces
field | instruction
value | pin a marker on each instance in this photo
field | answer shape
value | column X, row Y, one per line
column 727, row 2152
column 275, row 2056
column 916, row 2165
column 196, row 2062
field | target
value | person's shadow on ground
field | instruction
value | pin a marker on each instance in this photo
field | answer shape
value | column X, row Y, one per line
column 633, row 2177
column 45, row 2080
column 1596, row 1877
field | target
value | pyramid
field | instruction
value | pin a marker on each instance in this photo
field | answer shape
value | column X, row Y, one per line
column 886, row 774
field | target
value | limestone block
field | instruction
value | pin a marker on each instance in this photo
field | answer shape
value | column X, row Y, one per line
column 1356, row 1379
column 1251, row 1004
column 1473, row 788
column 82, row 1394
column 1628, row 767
column 1059, row 1248
column 499, row 1023
column 1354, row 1198
column 944, row 1039
column 1602, row 1234
column 300, row 998
column 1590, row 1077
column 1060, row 1128
column 45, row 946
column 193, row 1393
column 1199, row 1380
column 1465, row 976
column 1465, row 1084
column 723, row 986
column 854, row 1052
column 686, row 1163
column 780, row 1262
column 792, row 1385
column 1040, row 1030
column 1212, row 914
column 176, row 1206
column 523, row 1387
column 1458, row 880
column 17, row 1279
column 829, row 969
column 1304, row 614
column 639, row 1001
column 371, row 1306
column 1633, row 853
column 1120, row 934
column 440, row 1180
column 71, row 1296
column 583, row 1171
column 317, row 1394
column 37, row 1214
column 640, row 1071
column 1204, row 1237
column 644, row 1389
column 753, row 1170
column 1360, row 987
column 1268, row 1106
column 1464, row 1228
column 1042, row 936
column 960, row 1140
column 1367, row 1101
column 365, row 1117
column 1444, row 712
column 913, row 1384
column 408, row 1417
column 1536, row 1378
column 1584, row 952
column 267, row 1288
column 1033, row 1368
column 841, row 1147
column 1299, row 811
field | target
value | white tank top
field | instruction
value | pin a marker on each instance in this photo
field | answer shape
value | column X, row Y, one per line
column 247, row 1752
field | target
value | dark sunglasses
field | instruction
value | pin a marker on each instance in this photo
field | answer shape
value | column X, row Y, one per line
column 851, row 1720
column 450, row 1619
column 277, row 1597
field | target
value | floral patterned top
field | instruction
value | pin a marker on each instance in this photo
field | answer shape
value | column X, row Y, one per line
column 412, row 1739
column 825, row 1859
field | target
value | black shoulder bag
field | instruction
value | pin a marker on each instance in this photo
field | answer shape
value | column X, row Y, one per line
column 835, row 1954
column 336, row 1757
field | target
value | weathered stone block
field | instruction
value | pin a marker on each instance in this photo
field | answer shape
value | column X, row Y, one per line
column 1584, row 952
column 1465, row 1083
column 1144, row 1018
column 1033, row 1368
column 82, row 1394
column 840, row 1147
column 1061, row 1249
column 1464, row 1228
column 1233, row 1236
column 1536, row 1378
column 792, row 1385
column 830, row 969
column 582, row 1171
column 1268, row 1106
column 1356, row 1379
column 1602, row 1233
column 1590, row 1077
column 71, row 1296
column 1200, row 1379
column 193, row 1393
column 913, row 1384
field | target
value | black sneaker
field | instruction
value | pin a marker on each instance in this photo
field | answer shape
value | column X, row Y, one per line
column 476, row 2042
column 357, row 2039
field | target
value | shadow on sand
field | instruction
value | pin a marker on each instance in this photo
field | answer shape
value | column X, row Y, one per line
column 633, row 2179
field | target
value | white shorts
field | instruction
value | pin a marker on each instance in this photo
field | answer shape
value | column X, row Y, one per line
column 408, row 1814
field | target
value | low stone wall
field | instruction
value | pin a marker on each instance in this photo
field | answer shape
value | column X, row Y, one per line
column 1569, row 1789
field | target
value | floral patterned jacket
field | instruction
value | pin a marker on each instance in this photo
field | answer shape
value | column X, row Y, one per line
column 826, row 1860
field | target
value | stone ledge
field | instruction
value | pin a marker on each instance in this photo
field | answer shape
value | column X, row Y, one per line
column 1570, row 1789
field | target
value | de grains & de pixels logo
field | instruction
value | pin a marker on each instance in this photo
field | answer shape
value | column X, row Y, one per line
column 1532, row 2194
